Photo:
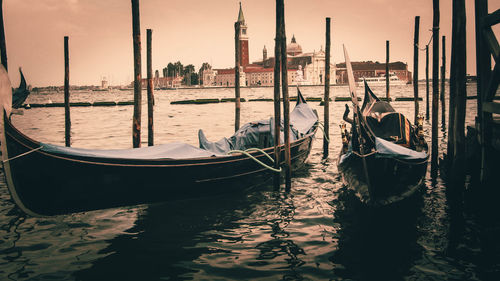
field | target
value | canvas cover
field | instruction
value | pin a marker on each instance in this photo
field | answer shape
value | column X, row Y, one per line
column 387, row 149
column 261, row 133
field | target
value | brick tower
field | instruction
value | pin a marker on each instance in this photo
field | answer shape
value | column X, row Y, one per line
column 244, row 58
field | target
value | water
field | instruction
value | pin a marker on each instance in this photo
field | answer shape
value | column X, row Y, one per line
column 318, row 230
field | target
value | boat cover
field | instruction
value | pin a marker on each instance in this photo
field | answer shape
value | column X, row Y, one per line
column 387, row 149
column 254, row 134
column 261, row 133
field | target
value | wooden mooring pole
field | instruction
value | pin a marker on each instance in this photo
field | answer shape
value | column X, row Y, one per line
column 277, row 106
column 3, row 45
column 427, row 82
column 136, row 34
column 326, row 124
column 286, row 99
column 415, row 66
column 443, row 79
column 483, row 66
column 435, row 88
column 237, row 63
column 459, row 71
column 67, row 118
column 387, row 91
column 149, row 58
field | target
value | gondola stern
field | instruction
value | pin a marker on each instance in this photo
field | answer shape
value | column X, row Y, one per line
column 6, row 109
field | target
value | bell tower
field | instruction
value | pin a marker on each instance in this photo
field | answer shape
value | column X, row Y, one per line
column 244, row 57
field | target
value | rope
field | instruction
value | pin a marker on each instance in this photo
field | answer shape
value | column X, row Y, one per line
column 428, row 43
column 245, row 152
column 22, row 154
column 322, row 127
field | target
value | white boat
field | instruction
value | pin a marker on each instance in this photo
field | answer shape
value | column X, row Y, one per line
column 380, row 80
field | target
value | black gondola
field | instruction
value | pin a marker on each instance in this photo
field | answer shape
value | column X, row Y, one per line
column 20, row 94
column 384, row 158
column 45, row 179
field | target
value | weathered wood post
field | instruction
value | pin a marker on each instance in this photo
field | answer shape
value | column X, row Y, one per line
column 286, row 100
column 443, row 79
column 3, row 45
column 277, row 100
column 327, row 91
column 237, row 64
column 427, row 82
column 435, row 88
column 459, row 61
column 149, row 35
column 415, row 66
column 67, row 118
column 136, row 34
column 483, row 66
column 387, row 93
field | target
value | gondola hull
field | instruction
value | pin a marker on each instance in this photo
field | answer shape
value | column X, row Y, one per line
column 389, row 180
column 43, row 183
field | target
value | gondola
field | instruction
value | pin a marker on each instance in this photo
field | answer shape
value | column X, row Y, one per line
column 20, row 94
column 384, row 157
column 45, row 179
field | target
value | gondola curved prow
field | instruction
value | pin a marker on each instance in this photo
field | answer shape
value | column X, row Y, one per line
column 5, row 110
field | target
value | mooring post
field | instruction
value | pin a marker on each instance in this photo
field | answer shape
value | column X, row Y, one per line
column 483, row 66
column 237, row 63
column 443, row 79
column 277, row 100
column 387, row 94
column 415, row 66
column 67, row 119
column 450, row 148
column 326, row 124
column 286, row 99
column 427, row 82
column 459, row 60
column 149, row 35
column 3, row 45
column 136, row 34
column 435, row 88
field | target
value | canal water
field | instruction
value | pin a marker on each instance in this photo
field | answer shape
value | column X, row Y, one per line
column 317, row 231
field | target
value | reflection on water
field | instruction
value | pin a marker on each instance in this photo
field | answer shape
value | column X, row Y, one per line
column 318, row 230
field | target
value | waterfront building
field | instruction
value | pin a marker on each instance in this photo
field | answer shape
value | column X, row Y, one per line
column 303, row 68
column 373, row 69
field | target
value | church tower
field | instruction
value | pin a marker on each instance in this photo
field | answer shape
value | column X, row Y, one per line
column 264, row 54
column 244, row 57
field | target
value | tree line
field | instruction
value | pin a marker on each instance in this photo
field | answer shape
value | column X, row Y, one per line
column 191, row 77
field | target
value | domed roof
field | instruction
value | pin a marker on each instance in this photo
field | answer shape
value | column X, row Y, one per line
column 293, row 48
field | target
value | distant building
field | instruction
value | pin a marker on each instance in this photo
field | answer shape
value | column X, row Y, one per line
column 303, row 68
column 163, row 82
column 104, row 83
column 373, row 69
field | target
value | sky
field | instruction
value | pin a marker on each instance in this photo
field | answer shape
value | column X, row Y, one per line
column 197, row 31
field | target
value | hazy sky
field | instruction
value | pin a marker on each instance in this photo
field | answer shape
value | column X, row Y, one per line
column 197, row 31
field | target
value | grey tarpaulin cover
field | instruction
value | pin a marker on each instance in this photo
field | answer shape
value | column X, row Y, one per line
column 253, row 134
column 387, row 149
column 261, row 133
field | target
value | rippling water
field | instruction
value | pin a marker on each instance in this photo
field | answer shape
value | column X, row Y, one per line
column 318, row 230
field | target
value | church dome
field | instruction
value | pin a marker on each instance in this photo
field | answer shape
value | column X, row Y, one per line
column 293, row 48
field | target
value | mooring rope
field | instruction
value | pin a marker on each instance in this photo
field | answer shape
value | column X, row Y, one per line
column 246, row 152
column 322, row 127
column 22, row 154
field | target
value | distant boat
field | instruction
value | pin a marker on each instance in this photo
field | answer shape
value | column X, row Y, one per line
column 45, row 179
column 380, row 80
